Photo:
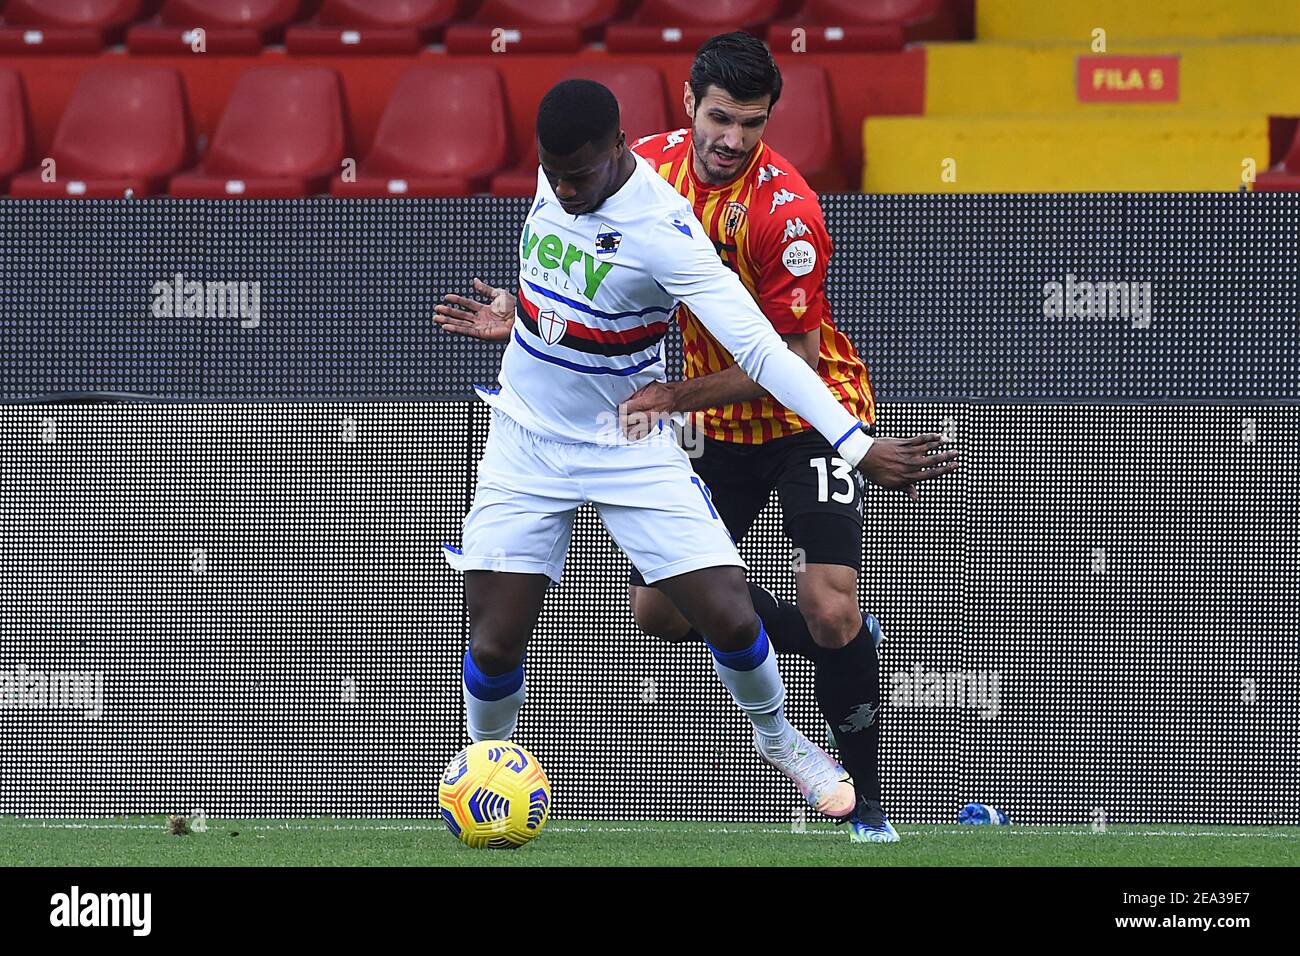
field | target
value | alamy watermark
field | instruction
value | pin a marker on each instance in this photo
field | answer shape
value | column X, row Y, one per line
column 26, row 689
column 75, row 908
column 630, row 428
column 179, row 297
column 976, row 690
column 1078, row 299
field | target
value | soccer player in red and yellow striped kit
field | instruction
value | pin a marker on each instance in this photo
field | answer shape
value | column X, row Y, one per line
column 766, row 224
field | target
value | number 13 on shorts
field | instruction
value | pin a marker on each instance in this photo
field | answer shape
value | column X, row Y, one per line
column 840, row 470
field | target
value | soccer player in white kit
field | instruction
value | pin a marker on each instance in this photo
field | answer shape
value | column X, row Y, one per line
column 607, row 251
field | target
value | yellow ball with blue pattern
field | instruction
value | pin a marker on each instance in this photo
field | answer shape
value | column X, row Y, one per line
column 494, row 795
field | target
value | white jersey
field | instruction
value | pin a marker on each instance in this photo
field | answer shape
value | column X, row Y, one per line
column 597, row 295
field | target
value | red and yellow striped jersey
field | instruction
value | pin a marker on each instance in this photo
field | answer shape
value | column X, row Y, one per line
column 767, row 226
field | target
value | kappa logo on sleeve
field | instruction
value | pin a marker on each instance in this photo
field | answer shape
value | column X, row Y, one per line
column 781, row 197
column 675, row 138
column 768, row 172
column 794, row 228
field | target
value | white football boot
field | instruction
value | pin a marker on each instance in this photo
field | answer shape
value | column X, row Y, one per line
column 823, row 782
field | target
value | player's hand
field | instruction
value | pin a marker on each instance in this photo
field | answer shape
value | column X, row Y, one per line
column 491, row 321
column 903, row 463
column 645, row 409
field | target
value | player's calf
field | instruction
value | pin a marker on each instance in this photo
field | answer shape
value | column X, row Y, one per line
column 846, row 678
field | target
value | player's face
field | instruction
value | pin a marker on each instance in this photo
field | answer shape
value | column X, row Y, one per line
column 725, row 132
column 584, row 179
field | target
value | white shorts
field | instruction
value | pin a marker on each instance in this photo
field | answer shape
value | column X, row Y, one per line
column 529, row 489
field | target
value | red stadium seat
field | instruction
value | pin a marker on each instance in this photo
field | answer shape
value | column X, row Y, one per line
column 13, row 126
column 371, row 26
column 684, row 24
column 1285, row 177
column 802, row 127
column 519, row 181
column 229, row 26
column 64, row 26
column 831, row 25
column 529, row 26
column 281, row 136
column 640, row 93
column 125, row 128
column 443, row 133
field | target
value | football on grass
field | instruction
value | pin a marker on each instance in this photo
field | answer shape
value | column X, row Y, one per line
column 494, row 794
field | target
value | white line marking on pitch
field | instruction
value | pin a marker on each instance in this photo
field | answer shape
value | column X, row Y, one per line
column 913, row 831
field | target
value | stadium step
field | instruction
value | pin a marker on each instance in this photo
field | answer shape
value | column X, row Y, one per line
column 1106, row 152
column 1036, row 21
column 1018, row 79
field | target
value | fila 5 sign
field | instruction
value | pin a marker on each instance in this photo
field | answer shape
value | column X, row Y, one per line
column 1127, row 79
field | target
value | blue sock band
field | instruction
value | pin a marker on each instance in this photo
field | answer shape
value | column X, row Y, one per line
column 491, row 688
column 747, row 658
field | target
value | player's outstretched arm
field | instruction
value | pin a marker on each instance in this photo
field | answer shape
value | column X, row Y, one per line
column 491, row 320
column 896, row 464
column 689, row 269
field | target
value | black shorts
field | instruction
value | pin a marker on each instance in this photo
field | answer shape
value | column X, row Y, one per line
column 820, row 493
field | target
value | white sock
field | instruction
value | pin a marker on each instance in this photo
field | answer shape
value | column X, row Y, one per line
column 491, row 703
column 492, row 719
column 752, row 677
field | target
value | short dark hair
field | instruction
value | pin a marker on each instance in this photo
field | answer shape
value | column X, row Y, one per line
column 574, row 113
column 739, row 64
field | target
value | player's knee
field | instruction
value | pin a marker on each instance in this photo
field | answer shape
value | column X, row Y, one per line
column 834, row 622
column 734, row 627
column 493, row 655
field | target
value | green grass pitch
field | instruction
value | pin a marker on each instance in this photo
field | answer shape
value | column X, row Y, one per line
column 144, row 841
